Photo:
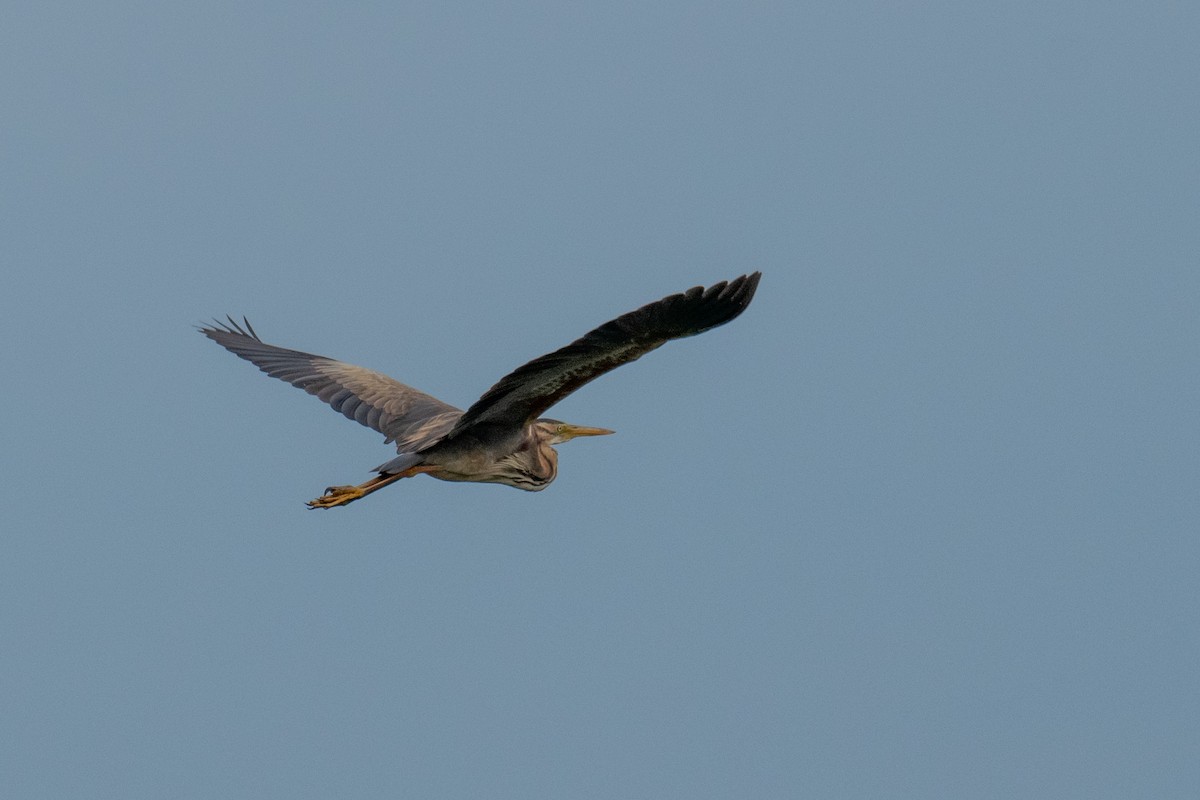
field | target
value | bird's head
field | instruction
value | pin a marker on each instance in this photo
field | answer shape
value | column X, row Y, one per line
column 556, row 432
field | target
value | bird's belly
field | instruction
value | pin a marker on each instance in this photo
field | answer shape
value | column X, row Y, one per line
column 512, row 463
column 530, row 480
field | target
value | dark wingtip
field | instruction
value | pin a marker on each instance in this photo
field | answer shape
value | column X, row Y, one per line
column 742, row 288
column 724, row 301
column 231, row 327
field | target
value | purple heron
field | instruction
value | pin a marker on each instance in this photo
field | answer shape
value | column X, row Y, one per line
column 502, row 438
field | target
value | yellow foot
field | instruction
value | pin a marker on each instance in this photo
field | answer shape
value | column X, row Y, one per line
column 336, row 496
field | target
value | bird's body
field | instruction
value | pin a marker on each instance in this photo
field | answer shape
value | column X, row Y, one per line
column 525, row 458
column 502, row 438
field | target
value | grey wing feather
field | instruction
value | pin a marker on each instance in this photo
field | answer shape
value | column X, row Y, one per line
column 524, row 394
column 410, row 418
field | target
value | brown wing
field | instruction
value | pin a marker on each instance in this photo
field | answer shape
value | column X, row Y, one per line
column 405, row 416
column 524, row 394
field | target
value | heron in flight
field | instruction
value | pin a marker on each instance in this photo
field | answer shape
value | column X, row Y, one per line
column 502, row 438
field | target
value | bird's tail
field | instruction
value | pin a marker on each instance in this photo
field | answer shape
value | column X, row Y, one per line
column 400, row 463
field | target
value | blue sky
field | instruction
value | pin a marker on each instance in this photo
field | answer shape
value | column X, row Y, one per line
column 921, row 523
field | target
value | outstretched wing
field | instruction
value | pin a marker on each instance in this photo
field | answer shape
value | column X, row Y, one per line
column 524, row 394
column 409, row 418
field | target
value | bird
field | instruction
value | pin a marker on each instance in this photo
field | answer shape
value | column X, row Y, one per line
column 502, row 438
